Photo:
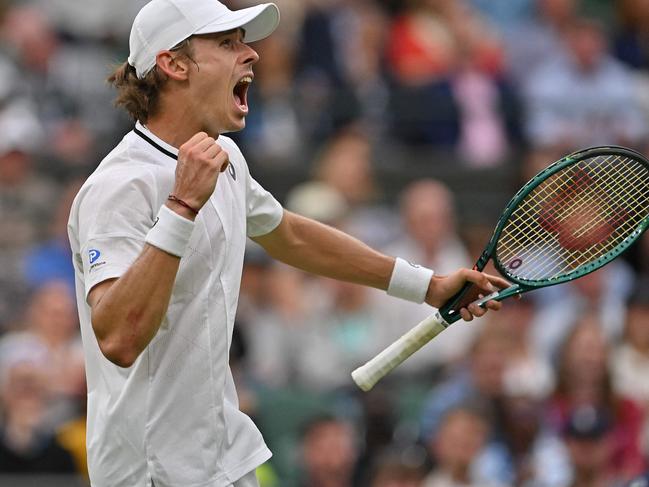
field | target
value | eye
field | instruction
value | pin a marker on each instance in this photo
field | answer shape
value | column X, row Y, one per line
column 227, row 42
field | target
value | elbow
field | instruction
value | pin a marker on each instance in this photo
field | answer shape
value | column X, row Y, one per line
column 119, row 353
column 121, row 339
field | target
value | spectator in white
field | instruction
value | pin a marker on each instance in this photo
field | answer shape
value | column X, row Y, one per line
column 584, row 97
column 428, row 235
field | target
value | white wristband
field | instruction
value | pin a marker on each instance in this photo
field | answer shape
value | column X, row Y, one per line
column 409, row 281
column 170, row 232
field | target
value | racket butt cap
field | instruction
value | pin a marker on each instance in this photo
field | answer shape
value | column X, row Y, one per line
column 362, row 379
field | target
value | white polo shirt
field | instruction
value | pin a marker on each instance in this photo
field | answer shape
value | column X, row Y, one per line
column 173, row 416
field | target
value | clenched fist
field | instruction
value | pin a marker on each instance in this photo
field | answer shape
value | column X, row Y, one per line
column 200, row 161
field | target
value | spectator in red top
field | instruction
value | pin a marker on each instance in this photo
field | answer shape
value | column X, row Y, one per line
column 583, row 379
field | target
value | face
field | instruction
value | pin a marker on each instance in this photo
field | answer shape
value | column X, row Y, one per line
column 220, row 75
column 460, row 438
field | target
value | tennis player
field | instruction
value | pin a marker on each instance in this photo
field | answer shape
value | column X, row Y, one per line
column 158, row 233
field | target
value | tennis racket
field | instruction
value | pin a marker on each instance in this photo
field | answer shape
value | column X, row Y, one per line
column 572, row 218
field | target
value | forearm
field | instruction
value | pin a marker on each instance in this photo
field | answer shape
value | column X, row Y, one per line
column 127, row 312
column 126, row 317
column 323, row 250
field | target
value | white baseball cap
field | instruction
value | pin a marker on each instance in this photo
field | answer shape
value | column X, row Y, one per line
column 162, row 24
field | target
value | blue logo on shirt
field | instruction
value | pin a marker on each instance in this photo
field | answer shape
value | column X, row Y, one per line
column 94, row 255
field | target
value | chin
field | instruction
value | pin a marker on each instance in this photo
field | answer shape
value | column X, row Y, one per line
column 234, row 126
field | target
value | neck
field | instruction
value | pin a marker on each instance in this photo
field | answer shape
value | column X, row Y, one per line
column 176, row 123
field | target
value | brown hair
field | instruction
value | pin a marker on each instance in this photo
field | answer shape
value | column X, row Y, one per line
column 140, row 96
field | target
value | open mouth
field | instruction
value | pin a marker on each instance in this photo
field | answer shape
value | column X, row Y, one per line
column 240, row 92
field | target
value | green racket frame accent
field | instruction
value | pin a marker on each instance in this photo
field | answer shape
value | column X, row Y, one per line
column 450, row 310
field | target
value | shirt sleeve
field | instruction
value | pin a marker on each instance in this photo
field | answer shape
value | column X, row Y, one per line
column 115, row 214
column 264, row 212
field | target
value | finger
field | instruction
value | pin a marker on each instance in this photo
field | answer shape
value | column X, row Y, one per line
column 480, row 279
column 204, row 145
column 195, row 139
column 221, row 161
column 465, row 314
column 498, row 281
column 493, row 305
column 476, row 310
column 213, row 150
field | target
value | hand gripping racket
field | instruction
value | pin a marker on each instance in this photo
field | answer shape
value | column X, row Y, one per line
column 572, row 218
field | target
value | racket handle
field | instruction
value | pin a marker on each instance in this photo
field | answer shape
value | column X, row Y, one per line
column 369, row 374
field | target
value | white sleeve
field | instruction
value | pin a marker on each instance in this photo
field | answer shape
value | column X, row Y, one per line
column 264, row 212
column 114, row 215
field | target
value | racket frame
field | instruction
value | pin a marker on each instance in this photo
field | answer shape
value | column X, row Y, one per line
column 449, row 311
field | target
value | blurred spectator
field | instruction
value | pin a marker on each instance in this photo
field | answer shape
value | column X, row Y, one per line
column 337, row 338
column 526, row 453
column 275, row 106
column 429, row 237
column 66, row 82
column 445, row 63
column 25, row 200
column 583, row 379
column 505, row 14
column 393, row 468
column 421, row 52
column 630, row 358
column 602, row 293
column 345, row 164
column 339, row 78
column 92, row 20
column 538, row 40
column 478, row 381
column 455, row 446
column 52, row 259
column 587, row 436
column 584, row 97
column 329, row 451
column 27, row 444
column 630, row 40
column 51, row 318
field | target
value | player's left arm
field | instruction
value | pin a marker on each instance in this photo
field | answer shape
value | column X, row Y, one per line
column 326, row 251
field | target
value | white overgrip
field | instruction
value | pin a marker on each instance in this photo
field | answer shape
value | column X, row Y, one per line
column 374, row 370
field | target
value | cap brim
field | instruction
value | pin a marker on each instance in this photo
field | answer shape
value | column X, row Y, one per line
column 258, row 22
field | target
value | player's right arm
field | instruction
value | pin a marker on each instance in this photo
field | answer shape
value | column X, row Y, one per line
column 126, row 312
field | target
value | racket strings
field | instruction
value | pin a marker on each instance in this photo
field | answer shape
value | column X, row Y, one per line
column 577, row 205
column 550, row 190
column 575, row 217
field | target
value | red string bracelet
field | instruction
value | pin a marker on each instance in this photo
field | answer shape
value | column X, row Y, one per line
column 173, row 197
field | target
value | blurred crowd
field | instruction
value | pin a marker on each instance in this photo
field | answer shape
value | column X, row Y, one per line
column 378, row 117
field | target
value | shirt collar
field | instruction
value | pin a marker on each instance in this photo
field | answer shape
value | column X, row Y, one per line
column 155, row 141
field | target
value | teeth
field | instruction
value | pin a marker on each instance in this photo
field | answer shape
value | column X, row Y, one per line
column 246, row 80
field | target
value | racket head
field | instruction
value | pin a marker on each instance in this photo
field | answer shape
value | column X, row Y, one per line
column 572, row 218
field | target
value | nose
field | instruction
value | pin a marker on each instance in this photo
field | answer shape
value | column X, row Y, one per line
column 251, row 56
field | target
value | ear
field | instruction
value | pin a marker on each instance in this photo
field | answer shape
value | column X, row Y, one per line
column 173, row 65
